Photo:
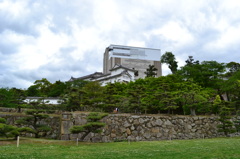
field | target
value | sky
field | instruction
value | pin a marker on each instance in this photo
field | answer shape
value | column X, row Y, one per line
column 57, row 39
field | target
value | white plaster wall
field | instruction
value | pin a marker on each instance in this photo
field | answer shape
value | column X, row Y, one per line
column 46, row 101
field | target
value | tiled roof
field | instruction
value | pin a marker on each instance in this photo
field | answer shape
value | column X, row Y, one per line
column 121, row 66
column 91, row 76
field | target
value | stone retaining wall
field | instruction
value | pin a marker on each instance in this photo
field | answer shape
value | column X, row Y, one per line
column 123, row 127
column 144, row 127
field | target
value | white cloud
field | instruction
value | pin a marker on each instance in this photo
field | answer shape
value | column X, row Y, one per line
column 176, row 34
column 15, row 9
column 60, row 39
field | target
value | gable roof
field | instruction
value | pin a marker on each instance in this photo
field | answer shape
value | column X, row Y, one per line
column 117, row 66
column 91, row 76
column 117, row 75
column 99, row 76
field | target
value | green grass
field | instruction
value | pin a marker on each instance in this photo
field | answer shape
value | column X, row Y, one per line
column 218, row 148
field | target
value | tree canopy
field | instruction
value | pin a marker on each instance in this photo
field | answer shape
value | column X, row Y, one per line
column 192, row 89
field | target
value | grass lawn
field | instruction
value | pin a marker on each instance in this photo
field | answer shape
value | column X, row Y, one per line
column 217, row 148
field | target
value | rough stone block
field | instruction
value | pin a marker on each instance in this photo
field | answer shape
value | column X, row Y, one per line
column 128, row 131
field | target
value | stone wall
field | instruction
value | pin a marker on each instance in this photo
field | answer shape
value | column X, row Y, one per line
column 124, row 127
column 120, row 127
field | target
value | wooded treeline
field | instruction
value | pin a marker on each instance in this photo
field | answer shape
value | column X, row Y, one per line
column 196, row 88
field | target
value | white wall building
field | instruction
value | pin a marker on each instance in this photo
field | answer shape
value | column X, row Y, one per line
column 45, row 100
column 125, row 64
column 132, row 57
column 118, row 73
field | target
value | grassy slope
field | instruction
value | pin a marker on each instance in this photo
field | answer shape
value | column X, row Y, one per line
column 220, row 148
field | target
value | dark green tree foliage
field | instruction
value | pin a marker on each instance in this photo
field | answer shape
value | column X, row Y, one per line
column 57, row 89
column 191, row 70
column 78, row 83
column 7, row 130
column 151, row 71
column 44, row 88
column 135, row 93
column 34, row 121
column 232, row 67
column 168, row 98
column 33, row 91
column 164, row 94
column 75, row 96
column 193, row 96
column 216, row 105
column 88, row 97
column 190, row 61
column 189, row 90
column 93, row 125
column 231, row 87
column 75, row 99
column 149, row 101
column 237, row 122
column 169, row 58
column 111, row 97
column 93, row 96
column 206, row 73
column 12, row 98
column 2, row 120
column 212, row 72
column 18, row 97
column 5, row 97
column 226, row 126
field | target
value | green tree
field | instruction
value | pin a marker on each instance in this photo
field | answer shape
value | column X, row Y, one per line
column 78, row 83
column 40, row 88
column 12, row 98
column 216, row 105
column 232, row 67
column 74, row 96
column 193, row 96
column 168, row 99
column 231, row 88
column 75, row 99
column 135, row 94
column 190, row 71
column 7, row 130
column 211, row 74
column 226, row 125
column 190, row 61
column 111, row 97
column 165, row 91
column 237, row 122
column 57, row 89
column 93, row 96
column 34, row 121
column 5, row 97
column 151, row 71
column 169, row 58
column 205, row 74
column 149, row 100
column 18, row 97
column 93, row 125
column 33, row 91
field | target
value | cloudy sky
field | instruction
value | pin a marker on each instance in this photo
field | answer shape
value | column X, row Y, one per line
column 57, row 39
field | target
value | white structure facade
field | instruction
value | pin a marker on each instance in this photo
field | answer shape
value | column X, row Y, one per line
column 132, row 57
column 125, row 64
column 118, row 73
column 45, row 100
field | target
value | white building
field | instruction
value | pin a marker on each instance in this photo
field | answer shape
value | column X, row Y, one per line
column 132, row 57
column 125, row 64
column 45, row 100
column 118, row 73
